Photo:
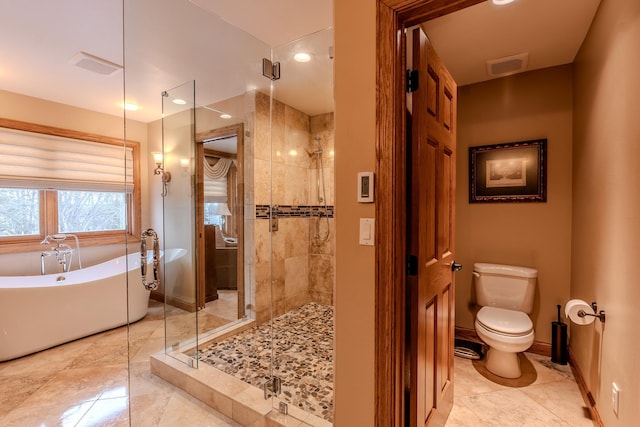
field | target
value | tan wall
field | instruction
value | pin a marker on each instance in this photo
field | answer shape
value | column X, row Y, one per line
column 175, row 213
column 606, row 223
column 291, row 266
column 34, row 110
column 40, row 111
column 355, row 89
column 526, row 106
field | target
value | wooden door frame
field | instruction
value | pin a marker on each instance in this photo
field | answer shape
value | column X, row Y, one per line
column 223, row 132
column 393, row 16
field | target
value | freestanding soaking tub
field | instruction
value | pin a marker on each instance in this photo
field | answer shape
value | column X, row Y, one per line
column 39, row 312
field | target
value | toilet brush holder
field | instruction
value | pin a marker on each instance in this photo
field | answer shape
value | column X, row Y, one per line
column 559, row 348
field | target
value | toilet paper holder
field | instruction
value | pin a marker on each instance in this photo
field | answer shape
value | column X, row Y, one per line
column 599, row 315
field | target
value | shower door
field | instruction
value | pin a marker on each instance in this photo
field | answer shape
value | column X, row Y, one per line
column 302, row 238
column 178, row 221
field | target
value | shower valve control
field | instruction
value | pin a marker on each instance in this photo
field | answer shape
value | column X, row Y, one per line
column 365, row 187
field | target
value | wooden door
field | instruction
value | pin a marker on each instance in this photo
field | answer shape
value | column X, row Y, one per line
column 430, row 237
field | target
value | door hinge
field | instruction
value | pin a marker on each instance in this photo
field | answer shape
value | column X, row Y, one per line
column 412, row 265
column 412, row 80
column 270, row 70
column 273, row 218
column 272, row 387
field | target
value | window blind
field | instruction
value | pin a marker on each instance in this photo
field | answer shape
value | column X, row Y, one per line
column 40, row 161
column 215, row 181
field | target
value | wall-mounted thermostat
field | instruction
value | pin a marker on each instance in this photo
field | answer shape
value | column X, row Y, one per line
column 365, row 187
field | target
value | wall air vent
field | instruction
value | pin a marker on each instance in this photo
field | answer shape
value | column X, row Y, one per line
column 95, row 64
column 508, row 65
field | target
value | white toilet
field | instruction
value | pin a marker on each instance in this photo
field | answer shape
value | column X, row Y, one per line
column 506, row 294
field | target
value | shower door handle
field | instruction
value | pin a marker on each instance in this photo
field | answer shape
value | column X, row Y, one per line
column 143, row 256
column 150, row 286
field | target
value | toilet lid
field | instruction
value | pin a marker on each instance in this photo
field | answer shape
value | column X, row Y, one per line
column 505, row 321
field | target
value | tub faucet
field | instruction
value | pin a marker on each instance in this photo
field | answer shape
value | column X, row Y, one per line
column 62, row 251
column 42, row 257
column 64, row 256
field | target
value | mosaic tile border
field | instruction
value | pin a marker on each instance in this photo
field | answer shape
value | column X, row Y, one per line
column 294, row 211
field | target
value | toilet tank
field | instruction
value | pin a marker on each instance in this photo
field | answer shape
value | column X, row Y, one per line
column 505, row 286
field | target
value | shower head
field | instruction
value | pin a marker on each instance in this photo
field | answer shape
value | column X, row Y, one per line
column 317, row 139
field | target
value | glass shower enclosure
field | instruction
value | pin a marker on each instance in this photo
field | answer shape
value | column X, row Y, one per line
column 232, row 184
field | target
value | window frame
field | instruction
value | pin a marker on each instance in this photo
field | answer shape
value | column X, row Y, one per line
column 49, row 200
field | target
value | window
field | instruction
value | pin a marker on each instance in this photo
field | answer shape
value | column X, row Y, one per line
column 60, row 181
column 80, row 211
column 19, row 212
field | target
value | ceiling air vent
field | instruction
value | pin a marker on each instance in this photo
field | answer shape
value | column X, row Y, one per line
column 507, row 65
column 95, row 64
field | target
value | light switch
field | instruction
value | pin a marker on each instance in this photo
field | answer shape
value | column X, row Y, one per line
column 366, row 231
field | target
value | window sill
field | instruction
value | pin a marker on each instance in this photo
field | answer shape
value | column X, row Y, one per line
column 15, row 246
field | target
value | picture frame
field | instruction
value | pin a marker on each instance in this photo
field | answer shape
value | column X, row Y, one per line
column 508, row 172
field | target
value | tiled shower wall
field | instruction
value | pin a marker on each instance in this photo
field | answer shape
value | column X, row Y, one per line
column 322, row 252
column 292, row 267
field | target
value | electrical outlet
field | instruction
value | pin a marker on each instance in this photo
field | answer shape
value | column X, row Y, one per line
column 615, row 398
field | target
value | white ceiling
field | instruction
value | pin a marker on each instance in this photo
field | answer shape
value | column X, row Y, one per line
column 275, row 22
column 220, row 45
column 550, row 31
column 168, row 43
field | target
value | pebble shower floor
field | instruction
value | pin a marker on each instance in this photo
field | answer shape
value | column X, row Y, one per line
column 302, row 357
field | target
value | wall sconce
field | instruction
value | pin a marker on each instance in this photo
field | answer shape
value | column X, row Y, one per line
column 159, row 170
column 185, row 165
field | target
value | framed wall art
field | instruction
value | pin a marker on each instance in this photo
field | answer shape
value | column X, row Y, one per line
column 510, row 172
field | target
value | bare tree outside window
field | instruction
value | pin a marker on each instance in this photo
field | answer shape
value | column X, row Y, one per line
column 81, row 211
column 19, row 212
column 78, row 211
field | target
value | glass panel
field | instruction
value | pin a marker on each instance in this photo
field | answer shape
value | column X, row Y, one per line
column 44, row 83
column 303, row 247
column 178, row 136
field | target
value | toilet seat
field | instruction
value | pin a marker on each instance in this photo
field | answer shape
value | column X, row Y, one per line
column 514, row 342
column 500, row 321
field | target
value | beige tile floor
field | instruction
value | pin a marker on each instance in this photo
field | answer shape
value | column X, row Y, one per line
column 91, row 382
column 546, row 395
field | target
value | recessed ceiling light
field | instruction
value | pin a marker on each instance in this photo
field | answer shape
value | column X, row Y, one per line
column 129, row 106
column 501, row 2
column 225, row 116
column 302, row 57
column 179, row 101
